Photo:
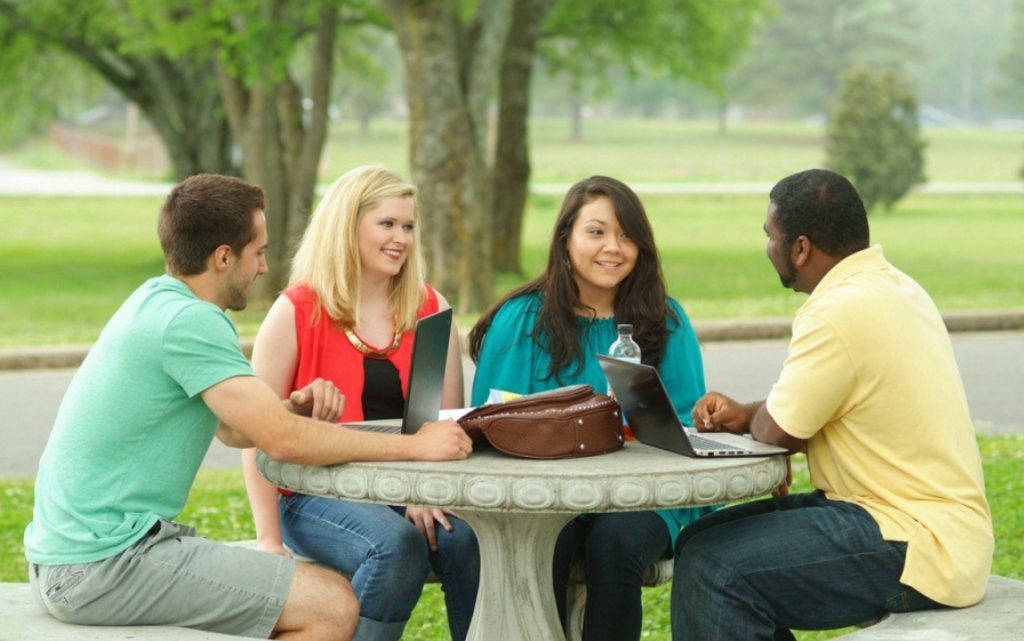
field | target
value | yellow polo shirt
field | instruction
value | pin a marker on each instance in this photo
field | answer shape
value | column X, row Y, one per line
column 872, row 383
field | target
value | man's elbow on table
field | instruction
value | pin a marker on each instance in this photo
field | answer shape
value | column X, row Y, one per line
column 764, row 429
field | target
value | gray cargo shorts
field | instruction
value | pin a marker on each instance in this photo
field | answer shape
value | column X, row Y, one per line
column 171, row 577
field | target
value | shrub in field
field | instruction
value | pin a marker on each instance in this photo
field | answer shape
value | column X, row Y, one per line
column 874, row 137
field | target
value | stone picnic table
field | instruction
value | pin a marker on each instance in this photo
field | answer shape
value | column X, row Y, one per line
column 517, row 507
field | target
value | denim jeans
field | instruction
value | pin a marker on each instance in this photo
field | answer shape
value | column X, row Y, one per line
column 457, row 564
column 387, row 558
column 755, row 571
column 616, row 551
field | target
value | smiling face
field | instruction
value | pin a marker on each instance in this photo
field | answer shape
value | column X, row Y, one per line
column 386, row 237
column 601, row 254
column 246, row 267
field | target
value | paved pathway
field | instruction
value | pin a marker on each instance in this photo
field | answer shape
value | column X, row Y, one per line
column 990, row 365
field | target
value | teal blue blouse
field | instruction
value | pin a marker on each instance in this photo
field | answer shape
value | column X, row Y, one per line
column 510, row 360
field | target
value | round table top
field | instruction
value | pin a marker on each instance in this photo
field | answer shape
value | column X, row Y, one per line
column 635, row 478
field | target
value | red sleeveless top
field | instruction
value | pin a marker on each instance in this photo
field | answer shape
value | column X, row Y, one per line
column 325, row 352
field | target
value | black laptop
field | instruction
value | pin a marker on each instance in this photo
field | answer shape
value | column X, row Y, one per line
column 652, row 418
column 426, row 378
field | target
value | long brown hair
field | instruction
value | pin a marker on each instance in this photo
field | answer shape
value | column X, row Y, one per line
column 639, row 300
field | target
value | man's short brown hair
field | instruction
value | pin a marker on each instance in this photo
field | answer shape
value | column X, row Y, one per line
column 201, row 214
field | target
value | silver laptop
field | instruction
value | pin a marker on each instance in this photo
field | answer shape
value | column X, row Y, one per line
column 426, row 378
column 652, row 418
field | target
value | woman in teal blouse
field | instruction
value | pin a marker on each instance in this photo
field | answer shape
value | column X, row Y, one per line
column 603, row 269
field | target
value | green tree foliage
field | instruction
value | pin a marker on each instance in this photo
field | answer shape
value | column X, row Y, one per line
column 798, row 58
column 960, row 41
column 1011, row 64
column 38, row 86
column 178, row 93
column 691, row 39
column 874, row 137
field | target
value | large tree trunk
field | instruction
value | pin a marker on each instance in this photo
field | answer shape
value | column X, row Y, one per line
column 280, row 148
column 576, row 115
column 450, row 70
column 183, row 104
column 512, row 154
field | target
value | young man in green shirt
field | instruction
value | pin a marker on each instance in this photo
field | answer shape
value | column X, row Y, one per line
column 165, row 376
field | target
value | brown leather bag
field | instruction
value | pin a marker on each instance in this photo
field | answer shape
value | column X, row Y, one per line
column 568, row 422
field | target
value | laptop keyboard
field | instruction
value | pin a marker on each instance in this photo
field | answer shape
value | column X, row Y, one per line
column 701, row 443
column 378, row 427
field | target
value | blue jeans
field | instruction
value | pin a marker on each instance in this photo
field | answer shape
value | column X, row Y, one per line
column 387, row 558
column 757, row 570
column 616, row 551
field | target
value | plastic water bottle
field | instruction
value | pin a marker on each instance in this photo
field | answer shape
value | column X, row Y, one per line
column 625, row 348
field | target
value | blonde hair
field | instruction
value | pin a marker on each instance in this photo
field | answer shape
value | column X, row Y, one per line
column 328, row 257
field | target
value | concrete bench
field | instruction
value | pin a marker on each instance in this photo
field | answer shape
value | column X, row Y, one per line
column 22, row 620
column 999, row 617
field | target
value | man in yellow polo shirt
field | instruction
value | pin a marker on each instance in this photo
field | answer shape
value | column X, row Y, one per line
column 898, row 520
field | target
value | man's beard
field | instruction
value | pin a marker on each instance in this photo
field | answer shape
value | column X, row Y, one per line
column 788, row 276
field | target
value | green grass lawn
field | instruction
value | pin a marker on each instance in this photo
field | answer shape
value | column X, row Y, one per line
column 686, row 151
column 66, row 264
column 218, row 508
column 646, row 150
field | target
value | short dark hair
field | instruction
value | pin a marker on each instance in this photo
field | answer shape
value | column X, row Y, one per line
column 202, row 213
column 823, row 206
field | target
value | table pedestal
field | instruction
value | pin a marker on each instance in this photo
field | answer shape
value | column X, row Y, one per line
column 516, row 599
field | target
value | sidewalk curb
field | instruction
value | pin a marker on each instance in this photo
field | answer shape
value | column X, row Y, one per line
column 742, row 329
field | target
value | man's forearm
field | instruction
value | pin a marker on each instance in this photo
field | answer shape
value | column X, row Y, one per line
column 764, row 429
column 309, row 442
column 752, row 410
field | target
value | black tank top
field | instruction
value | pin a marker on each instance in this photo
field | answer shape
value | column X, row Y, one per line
column 382, row 390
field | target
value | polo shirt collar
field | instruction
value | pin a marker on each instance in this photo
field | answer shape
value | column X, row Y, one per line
column 866, row 260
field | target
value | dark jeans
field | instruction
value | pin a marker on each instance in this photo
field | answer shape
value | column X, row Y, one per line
column 616, row 550
column 757, row 570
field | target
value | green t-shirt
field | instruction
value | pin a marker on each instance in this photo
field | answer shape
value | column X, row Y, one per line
column 132, row 429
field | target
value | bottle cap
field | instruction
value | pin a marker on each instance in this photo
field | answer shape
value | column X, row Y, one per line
column 625, row 328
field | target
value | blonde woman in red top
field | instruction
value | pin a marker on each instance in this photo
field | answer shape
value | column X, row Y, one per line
column 355, row 292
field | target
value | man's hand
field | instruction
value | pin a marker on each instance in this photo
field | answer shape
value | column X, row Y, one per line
column 716, row 412
column 319, row 400
column 440, row 441
column 783, row 488
column 425, row 519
